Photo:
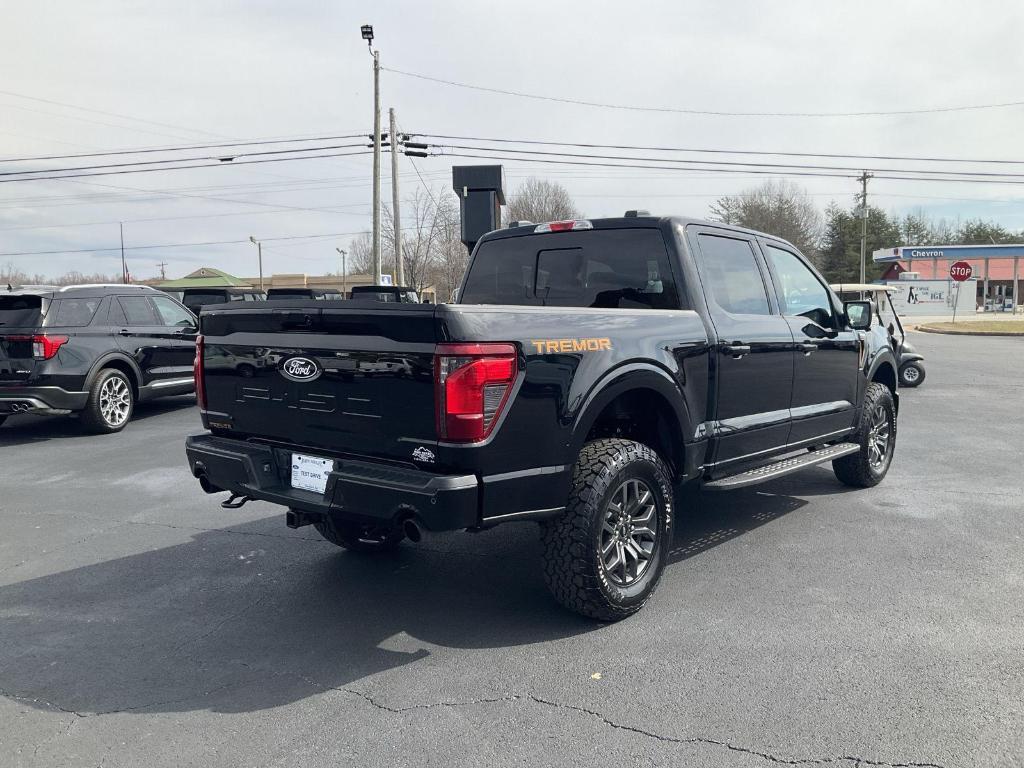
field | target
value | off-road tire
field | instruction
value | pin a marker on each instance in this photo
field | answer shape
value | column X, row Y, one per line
column 574, row 568
column 355, row 540
column 914, row 381
column 92, row 417
column 856, row 469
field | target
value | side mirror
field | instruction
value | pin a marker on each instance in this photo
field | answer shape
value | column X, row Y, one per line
column 858, row 315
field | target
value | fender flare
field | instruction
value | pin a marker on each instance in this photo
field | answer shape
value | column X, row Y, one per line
column 626, row 378
column 884, row 356
column 120, row 357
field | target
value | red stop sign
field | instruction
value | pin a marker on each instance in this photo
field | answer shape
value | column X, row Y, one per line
column 961, row 271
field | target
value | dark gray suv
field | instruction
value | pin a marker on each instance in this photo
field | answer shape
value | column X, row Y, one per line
column 92, row 350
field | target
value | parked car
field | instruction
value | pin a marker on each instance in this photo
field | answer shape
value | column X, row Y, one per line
column 323, row 294
column 92, row 350
column 588, row 368
column 392, row 293
column 911, row 368
column 196, row 298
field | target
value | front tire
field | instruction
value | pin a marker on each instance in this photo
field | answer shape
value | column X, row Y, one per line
column 357, row 538
column 876, row 435
column 110, row 404
column 604, row 556
column 911, row 374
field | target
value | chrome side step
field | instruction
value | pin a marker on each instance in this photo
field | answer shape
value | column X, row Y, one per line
column 781, row 468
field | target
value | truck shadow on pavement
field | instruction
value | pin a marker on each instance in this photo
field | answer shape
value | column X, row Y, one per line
column 23, row 430
column 255, row 616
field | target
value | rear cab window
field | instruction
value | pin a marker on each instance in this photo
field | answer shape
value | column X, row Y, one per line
column 605, row 268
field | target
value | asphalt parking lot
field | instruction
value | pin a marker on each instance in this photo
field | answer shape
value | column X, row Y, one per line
column 798, row 622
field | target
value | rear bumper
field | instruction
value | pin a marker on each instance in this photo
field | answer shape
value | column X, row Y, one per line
column 357, row 491
column 40, row 400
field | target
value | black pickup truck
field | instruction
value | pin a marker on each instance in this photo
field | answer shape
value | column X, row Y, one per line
column 587, row 369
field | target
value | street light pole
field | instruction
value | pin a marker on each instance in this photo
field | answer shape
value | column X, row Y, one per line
column 259, row 253
column 344, row 273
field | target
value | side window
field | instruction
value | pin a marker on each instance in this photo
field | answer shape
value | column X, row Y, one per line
column 115, row 315
column 802, row 292
column 171, row 313
column 733, row 276
column 138, row 311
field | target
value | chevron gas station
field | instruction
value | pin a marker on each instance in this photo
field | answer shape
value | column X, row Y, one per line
column 924, row 272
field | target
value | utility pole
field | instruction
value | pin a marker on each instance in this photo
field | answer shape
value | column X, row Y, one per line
column 344, row 272
column 124, row 264
column 864, row 225
column 163, row 272
column 367, row 32
column 399, row 262
column 259, row 254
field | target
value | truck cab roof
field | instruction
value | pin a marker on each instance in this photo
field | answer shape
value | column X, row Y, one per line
column 632, row 220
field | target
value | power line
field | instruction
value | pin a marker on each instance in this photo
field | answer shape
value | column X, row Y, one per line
column 225, row 159
column 690, row 111
column 333, row 211
column 179, row 245
column 179, row 148
column 183, row 167
column 107, row 114
column 742, row 163
column 824, row 174
column 831, row 155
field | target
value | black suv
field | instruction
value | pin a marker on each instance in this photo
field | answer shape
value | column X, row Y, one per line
column 322, row 294
column 197, row 298
column 395, row 293
column 94, row 350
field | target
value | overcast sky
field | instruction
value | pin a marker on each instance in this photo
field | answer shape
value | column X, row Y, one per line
column 202, row 71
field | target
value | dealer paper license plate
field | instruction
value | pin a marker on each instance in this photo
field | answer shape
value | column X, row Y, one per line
column 310, row 472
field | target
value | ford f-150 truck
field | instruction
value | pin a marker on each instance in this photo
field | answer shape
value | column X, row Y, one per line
column 587, row 370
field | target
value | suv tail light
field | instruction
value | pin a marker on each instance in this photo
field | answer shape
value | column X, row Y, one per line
column 44, row 347
column 197, row 374
column 472, row 385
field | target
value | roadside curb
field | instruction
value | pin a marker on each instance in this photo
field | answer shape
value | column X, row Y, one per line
column 965, row 332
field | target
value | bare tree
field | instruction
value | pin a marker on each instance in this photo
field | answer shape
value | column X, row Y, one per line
column 453, row 258
column 12, row 276
column 359, row 260
column 541, row 200
column 780, row 208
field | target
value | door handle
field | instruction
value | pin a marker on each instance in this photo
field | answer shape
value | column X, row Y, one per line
column 124, row 332
column 807, row 348
column 736, row 351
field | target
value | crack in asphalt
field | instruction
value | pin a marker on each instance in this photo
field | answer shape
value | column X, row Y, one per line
column 512, row 698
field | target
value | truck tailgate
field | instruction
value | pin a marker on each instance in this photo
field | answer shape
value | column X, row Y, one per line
column 354, row 379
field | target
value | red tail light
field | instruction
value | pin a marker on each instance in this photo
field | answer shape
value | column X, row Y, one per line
column 44, row 347
column 197, row 374
column 472, row 384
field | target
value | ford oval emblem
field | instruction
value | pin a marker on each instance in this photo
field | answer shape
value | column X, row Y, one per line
column 301, row 369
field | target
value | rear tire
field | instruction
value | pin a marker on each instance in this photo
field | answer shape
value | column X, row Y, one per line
column 911, row 374
column 358, row 538
column 603, row 557
column 111, row 403
column 876, row 435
